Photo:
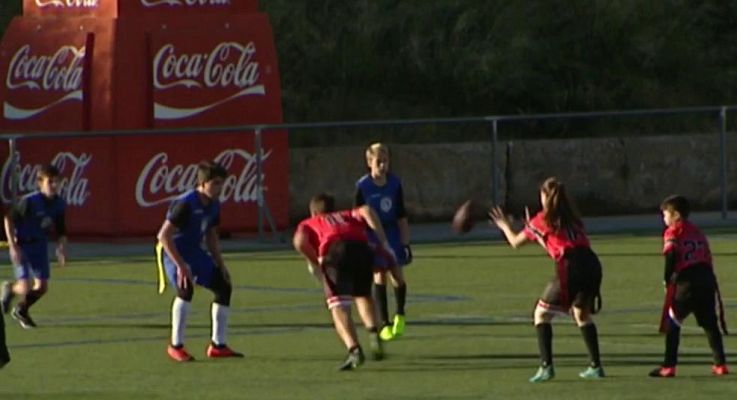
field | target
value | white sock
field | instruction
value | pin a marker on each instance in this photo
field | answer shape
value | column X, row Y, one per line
column 219, row 314
column 179, row 311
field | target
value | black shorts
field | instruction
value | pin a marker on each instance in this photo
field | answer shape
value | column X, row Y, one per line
column 577, row 282
column 696, row 293
column 348, row 270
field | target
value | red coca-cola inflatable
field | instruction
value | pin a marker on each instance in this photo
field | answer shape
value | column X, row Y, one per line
column 143, row 64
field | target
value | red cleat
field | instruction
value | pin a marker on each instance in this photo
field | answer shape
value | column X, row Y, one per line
column 179, row 354
column 223, row 351
column 720, row 369
column 663, row 372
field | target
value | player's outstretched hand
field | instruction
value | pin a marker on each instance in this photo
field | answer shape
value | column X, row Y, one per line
column 498, row 218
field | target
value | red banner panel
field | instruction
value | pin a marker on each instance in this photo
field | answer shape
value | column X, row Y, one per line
column 87, row 179
column 44, row 78
column 152, row 171
column 135, row 8
column 227, row 77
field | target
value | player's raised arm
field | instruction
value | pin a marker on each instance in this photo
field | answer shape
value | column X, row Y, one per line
column 515, row 239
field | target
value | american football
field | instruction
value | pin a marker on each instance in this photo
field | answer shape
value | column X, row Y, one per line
column 463, row 218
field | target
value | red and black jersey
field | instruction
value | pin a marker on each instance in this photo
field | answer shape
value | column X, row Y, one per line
column 556, row 242
column 325, row 229
column 689, row 245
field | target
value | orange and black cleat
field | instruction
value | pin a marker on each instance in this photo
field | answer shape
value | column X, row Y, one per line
column 179, row 354
column 663, row 372
column 223, row 351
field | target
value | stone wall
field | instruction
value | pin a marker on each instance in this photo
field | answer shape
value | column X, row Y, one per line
column 605, row 176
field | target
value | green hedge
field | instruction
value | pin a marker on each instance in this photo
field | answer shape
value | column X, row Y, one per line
column 376, row 59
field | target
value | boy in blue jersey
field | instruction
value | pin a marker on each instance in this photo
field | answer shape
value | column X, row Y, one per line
column 382, row 191
column 194, row 217
column 27, row 226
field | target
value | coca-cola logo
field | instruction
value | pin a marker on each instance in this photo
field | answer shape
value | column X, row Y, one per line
column 160, row 182
column 67, row 3
column 73, row 188
column 227, row 65
column 59, row 72
column 189, row 3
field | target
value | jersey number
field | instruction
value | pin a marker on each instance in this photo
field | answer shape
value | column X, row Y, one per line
column 692, row 246
column 334, row 219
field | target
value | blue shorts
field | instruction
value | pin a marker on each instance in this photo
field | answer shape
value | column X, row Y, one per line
column 381, row 262
column 200, row 263
column 34, row 261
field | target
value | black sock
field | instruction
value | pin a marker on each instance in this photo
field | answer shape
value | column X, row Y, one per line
column 716, row 344
column 672, row 339
column 381, row 307
column 545, row 343
column 372, row 330
column 400, row 294
column 28, row 300
column 591, row 338
column 4, row 356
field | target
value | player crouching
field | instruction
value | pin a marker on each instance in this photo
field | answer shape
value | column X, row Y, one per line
column 193, row 217
column 337, row 243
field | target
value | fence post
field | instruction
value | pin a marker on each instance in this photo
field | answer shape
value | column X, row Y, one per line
column 723, row 159
column 13, row 166
column 259, row 184
column 494, row 173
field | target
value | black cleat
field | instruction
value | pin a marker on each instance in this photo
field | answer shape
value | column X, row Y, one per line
column 377, row 349
column 4, row 358
column 354, row 359
column 6, row 296
column 23, row 318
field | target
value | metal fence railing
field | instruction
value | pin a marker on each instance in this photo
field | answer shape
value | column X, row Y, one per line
column 495, row 123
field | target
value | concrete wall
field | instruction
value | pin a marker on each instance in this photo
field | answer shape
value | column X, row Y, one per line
column 605, row 176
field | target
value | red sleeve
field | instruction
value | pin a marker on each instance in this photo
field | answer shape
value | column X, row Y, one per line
column 305, row 228
column 670, row 239
column 536, row 229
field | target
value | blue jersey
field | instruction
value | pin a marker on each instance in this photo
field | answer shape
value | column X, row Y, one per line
column 388, row 203
column 193, row 219
column 36, row 215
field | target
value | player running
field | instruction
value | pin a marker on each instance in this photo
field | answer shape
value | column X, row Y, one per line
column 28, row 226
column 336, row 245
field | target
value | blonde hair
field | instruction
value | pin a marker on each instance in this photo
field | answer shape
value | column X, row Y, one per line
column 375, row 149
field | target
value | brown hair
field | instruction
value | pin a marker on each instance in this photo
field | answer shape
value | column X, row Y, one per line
column 560, row 211
column 47, row 171
column 677, row 203
column 322, row 203
column 209, row 170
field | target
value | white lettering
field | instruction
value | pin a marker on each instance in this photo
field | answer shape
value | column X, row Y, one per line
column 159, row 182
column 67, row 3
column 73, row 187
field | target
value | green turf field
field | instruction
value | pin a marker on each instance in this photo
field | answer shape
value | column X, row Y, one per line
column 103, row 331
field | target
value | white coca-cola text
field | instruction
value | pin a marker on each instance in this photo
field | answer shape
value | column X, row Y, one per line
column 73, row 187
column 67, row 3
column 61, row 71
column 160, row 182
column 191, row 3
column 229, row 64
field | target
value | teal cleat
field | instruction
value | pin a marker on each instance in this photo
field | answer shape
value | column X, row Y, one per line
column 592, row 373
column 544, row 373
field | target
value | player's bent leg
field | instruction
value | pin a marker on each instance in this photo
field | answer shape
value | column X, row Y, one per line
column 180, row 310
column 582, row 316
column 6, row 296
column 543, row 317
column 340, row 310
column 400, row 295
column 365, row 307
column 220, row 312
